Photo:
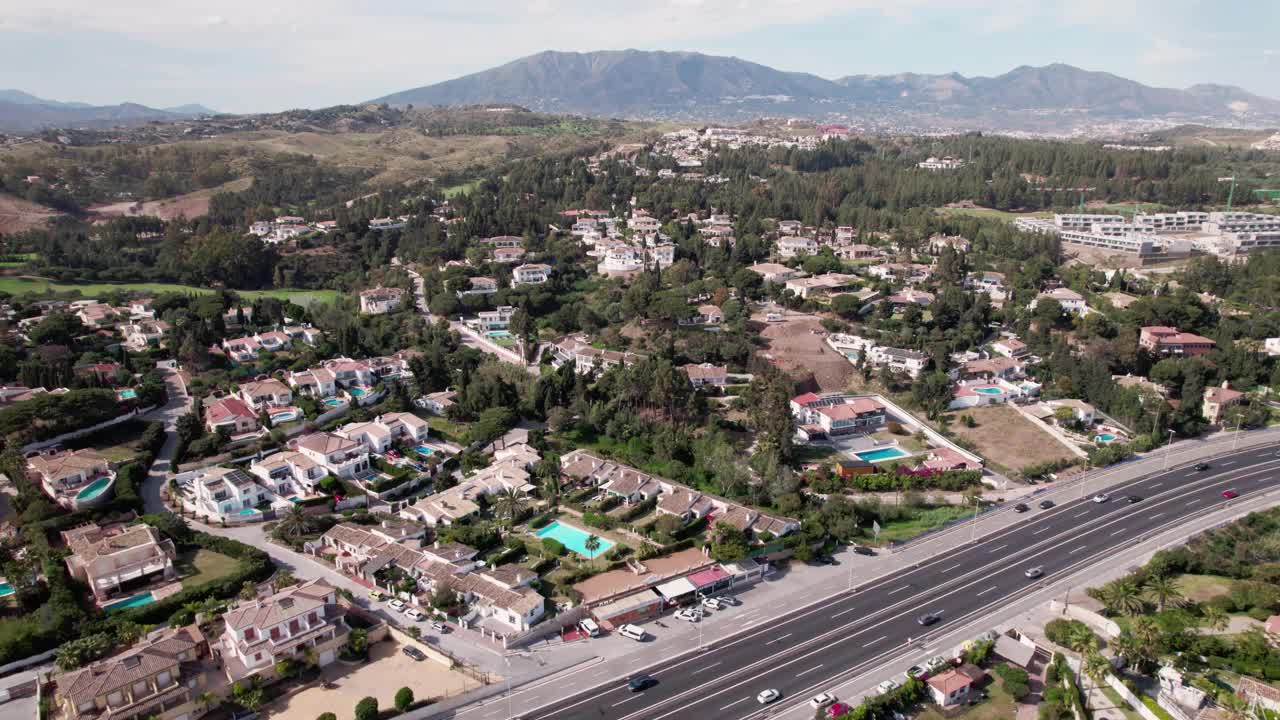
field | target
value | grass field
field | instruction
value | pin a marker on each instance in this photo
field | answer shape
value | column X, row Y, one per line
column 22, row 285
column 924, row 520
column 202, row 566
column 1005, row 437
column 460, row 189
column 989, row 213
column 1201, row 588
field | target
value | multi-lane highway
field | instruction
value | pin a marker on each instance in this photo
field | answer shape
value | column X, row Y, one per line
column 809, row 651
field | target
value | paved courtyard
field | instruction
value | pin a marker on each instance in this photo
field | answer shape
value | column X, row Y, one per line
column 387, row 671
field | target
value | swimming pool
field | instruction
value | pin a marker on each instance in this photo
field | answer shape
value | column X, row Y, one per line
column 358, row 392
column 890, row 453
column 5, row 589
column 498, row 333
column 128, row 394
column 248, row 511
column 574, row 539
column 1104, row 437
column 989, row 391
column 284, row 416
column 145, row 598
column 334, row 402
column 423, row 450
column 94, row 489
column 295, row 499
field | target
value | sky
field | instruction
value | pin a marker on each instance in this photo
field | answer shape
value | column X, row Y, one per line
column 270, row 55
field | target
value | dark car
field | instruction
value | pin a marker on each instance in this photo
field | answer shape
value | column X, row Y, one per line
column 641, row 682
column 824, row 560
column 1021, row 508
column 863, row 550
column 927, row 619
column 1201, row 467
column 1046, row 504
column 1133, row 499
column 414, row 653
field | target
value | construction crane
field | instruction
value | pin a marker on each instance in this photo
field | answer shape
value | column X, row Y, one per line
column 1231, row 194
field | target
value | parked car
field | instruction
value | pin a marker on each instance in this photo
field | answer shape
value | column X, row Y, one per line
column 711, row 603
column 641, row 682
column 887, row 686
column 394, row 453
column 589, row 626
column 632, row 631
column 927, row 619
column 1228, row 494
column 688, row 615
column 1021, row 508
column 414, row 653
column 730, row 600
column 817, row 702
column 439, row 627
column 1101, row 498
column 823, row 560
column 863, row 550
column 376, row 594
column 838, row 710
column 1034, row 572
column 396, row 604
column 936, row 663
column 915, row 672
column 415, row 614
column 1046, row 504
column 767, row 696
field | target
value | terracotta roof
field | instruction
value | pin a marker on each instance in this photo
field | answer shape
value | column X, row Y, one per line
column 275, row 609
column 118, row 672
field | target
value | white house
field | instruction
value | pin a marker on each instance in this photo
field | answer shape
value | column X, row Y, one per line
column 340, row 456
column 380, row 433
column 288, row 473
column 531, row 274
column 262, row 394
column 297, row 622
column 224, row 492
column 1070, row 300
column 381, row 300
column 492, row 320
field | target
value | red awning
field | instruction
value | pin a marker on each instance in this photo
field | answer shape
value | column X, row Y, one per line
column 711, row 575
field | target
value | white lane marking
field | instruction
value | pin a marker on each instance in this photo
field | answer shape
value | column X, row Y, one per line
column 895, row 592
column 735, row 702
column 1073, row 552
column 1157, row 515
column 804, row 672
column 1119, row 531
column 704, row 669
column 953, row 567
column 1193, row 502
column 633, row 697
column 844, row 612
column 1228, row 463
column 1080, row 515
column 998, row 549
column 873, row 642
column 984, row 592
column 1043, row 530
column 1156, row 485
column 779, row 639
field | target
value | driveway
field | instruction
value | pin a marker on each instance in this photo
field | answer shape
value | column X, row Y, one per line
column 177, row 406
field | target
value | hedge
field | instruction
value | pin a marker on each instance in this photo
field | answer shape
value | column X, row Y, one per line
column 638, row 510
column 541, row 520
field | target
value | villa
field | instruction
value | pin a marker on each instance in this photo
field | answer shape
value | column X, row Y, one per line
column 160, row 678
column 226, row 492
column 231, row 413
column 340, row 456
column 112, row 558
column 378, row 434
column 437, row 403
column 314, row 383
column 1217, row 400
column 1071, row 301
column 530, row 274
column 297, row 622
column 74, row 478
column 773, row 272
column 1170, row 342
column 838, row 413
column 262, row 394
column 480, row 286
column 288, row 473
column 707, row 374
column 576, row 349
column 381, row 300
column 508, row 255
column 144, row 335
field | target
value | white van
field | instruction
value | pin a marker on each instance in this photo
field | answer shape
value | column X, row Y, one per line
column 589, row 626
column 633, row 632
column 773, row 317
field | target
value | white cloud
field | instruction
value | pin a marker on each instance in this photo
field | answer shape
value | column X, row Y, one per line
column 1164, row 51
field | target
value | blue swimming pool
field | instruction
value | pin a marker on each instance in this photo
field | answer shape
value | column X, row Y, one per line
column 989, row 391
column 358, row 392
column 334, row 402
column 94, row 489
column 423, row 450
column 248, row 511
column 498, row 333
column 284, row 416
column 890, row 453
column 5, row 589
column 1104, row 437
column 128, row 394
column 145, row 598
column 574, row 539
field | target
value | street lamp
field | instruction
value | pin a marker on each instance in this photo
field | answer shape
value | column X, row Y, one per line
column 507, row 659
column 1168, row 450
column 1236, row 440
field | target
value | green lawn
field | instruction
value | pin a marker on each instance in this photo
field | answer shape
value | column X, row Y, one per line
column 999, row 705
column 203, row 566
column 19, row 286
column 925, row 519
column 460, row 189
column 446, row 429
column 815, row 453
column 1201, row 588
column 990, row 213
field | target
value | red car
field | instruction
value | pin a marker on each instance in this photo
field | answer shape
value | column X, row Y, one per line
column 393, row 454
column 838, row 710
column 1228, row 494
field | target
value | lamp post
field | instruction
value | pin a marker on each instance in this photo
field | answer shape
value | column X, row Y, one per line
column 1236, row 440
column 507, row 659
column 1168, row 450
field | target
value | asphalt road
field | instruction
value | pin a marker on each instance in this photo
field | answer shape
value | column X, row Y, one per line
column 808, row 651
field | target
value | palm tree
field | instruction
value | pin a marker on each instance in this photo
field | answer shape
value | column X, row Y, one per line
column 1124, row 596
column 282, row 579
column 1164, row 591
column 1081, row 639
column 510, row 503
column 592, row 544
column 1096, row 668
column 1215, row 617
column 295, row 523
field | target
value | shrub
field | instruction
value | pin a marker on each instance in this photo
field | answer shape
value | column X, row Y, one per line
column 540, row 521
column 553, row 546
column 599, row 520
column 327, row 716
column 367, row 709
column 1060, row 630
column 404, row 699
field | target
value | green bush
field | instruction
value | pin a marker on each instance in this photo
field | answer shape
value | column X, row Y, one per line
column 541, row 521
column 327, row 716
column 553, row 546
column 1060, row 630
column 367, row 709
column 598, row 520
column 404, row 699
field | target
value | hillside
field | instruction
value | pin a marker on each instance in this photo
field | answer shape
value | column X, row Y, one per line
column 682, row 85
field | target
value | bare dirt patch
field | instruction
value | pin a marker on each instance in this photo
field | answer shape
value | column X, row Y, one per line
column 189, row 205
column 797, row 346
column 1003, row 436
column 18, row 215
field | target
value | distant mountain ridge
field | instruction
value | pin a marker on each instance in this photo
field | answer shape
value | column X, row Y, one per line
column 659, row 84
column 23, row 112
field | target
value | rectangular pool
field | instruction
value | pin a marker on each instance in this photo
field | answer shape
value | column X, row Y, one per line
column 145, row 598
column 574, row 538
column 890, row 453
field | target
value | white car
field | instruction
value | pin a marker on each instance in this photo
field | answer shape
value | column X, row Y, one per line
column 711, row 603
column 767, row 696
column 689, row 615
column 1101, row 498
column 396, row 604
column 1034, row 572
column 887, row 686
column 817, row 702
column 415, row 614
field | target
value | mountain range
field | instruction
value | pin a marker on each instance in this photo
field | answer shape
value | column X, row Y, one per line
column 686, row 85
column 23, row 112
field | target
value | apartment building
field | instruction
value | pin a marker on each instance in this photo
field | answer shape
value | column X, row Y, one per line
column 1085, row 221
column 1166, row 342
column 160, row 678
column 293, row 624
column 112, row 559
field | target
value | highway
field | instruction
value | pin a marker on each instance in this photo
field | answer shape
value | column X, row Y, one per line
column 814, row 648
